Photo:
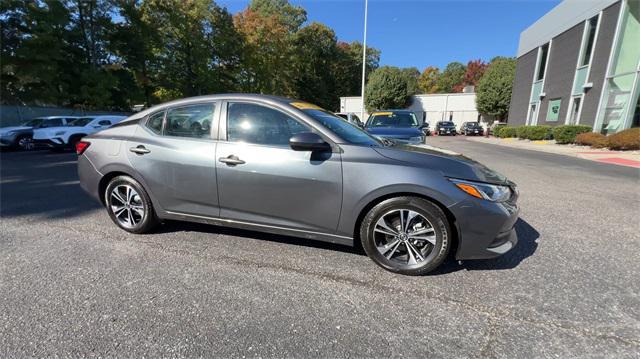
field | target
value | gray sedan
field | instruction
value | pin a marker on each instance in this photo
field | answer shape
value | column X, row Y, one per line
column 278, row 165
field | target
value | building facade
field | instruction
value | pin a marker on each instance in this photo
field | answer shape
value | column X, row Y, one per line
column 431, row 108
column 580, row 64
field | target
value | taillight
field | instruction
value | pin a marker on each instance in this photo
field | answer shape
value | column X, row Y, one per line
column 82, row 146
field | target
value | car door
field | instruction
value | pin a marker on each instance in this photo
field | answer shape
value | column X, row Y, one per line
column 174, row 153
column 261, row 180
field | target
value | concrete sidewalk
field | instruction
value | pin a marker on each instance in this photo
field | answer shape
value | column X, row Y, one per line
column 621, row 158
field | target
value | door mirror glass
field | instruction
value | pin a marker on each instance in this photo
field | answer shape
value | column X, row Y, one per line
column 308, row 141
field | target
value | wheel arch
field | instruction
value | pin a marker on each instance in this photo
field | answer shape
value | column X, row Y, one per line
column 115, row 170
column 372, row 203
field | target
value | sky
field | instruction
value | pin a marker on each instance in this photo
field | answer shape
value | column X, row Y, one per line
column 421, row 33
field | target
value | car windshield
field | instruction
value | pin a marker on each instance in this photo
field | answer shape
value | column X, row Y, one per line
column 346, row 131
column 80, row 122
column 393, row 119
column 446, row 124
column 473, row 124
column 33, row 123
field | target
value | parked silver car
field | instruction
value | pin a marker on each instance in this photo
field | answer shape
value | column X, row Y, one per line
column 278, row 165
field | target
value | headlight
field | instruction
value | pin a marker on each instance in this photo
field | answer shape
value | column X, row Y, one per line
column 490, row 192
column 59, row 133
column 416, row 139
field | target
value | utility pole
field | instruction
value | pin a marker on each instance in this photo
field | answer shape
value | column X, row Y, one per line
column 364, row 58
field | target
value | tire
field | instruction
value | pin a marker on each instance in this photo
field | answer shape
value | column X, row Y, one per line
column 428, row 222
column 24, row 143
column 143, row 217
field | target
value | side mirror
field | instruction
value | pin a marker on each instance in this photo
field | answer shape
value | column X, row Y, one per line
column 308, row 141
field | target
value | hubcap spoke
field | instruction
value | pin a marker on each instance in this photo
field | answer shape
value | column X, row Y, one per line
column 408, row 228
column 127, row 206
column 117, row 196
column 410, row 217
column 430, row 239
column 385, row 227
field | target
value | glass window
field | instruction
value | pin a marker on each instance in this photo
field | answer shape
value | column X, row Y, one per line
column 251, row 123
column 543, row 61
column 154, row 123
column 80, row 122
column 52, row 122
column 592, row 25
column 618, row 93
column 345, row 130
column 190, row 121
column 104, row 123
column 628, row 52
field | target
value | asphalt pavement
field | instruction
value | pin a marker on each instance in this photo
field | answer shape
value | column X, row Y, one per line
column 73, row 284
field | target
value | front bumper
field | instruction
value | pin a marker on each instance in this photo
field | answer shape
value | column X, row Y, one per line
column 446, row 132
column 8, row 141
column 485, row 229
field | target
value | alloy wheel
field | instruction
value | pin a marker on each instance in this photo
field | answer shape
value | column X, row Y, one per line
column 26, row 143
column 405, row 237
column 127, row 206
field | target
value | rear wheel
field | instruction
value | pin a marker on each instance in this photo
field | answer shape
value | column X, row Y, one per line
column 406, row 235
column 129, row 205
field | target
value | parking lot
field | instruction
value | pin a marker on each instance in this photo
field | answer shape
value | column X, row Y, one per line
column 73, row 284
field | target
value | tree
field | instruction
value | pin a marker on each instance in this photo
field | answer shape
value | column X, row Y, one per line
column 316, row 51
column 428, row 80
column 388, row 88
column 198, row 47
column 347, row 69
column 452, row 76
column 473, row 73
column 412, row 75
column 494, row 88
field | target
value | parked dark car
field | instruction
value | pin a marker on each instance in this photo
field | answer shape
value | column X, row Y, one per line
column 21, row 136
column 401, row 126
column 447, row 128
column 277, row 165
column 471, row 129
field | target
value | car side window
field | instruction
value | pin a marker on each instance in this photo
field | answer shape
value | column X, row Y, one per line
column 104, row 123
column 257, row 124
column 154, row 123
column 190, row 121
column 54, row 122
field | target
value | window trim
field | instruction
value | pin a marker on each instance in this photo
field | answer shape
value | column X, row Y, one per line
column 223, row 119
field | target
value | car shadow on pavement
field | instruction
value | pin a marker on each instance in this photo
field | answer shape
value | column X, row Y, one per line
column 41, row 183
column 526, row 247
column 177, row 226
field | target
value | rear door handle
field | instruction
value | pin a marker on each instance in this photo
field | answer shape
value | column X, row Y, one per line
column 139, row 150
column 231, row 160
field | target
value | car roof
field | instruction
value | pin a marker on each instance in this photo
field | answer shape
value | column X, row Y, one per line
column 53, row 117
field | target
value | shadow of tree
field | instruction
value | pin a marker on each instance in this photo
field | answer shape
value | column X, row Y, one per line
column 43, row 184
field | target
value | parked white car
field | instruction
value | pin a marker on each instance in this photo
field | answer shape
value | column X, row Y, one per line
column 67, row 136
column 20, row 136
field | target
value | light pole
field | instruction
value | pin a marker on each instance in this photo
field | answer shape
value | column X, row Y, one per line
column 364, row 57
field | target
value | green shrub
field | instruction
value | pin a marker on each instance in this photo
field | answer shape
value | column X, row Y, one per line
column 567, row 134
column 535, row 133
column 592, row 139
column 625, row 140
column 497, row 128
column 506, row 132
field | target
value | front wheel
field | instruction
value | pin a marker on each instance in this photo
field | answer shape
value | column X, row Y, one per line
column 129, row 205
column 406, row 235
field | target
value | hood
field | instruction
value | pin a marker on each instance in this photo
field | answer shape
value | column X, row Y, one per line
column 450, row 163
column 395, row 132
column 4, row 130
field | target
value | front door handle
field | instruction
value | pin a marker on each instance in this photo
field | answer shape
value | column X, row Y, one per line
column 231, row 160
column 140, row 150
